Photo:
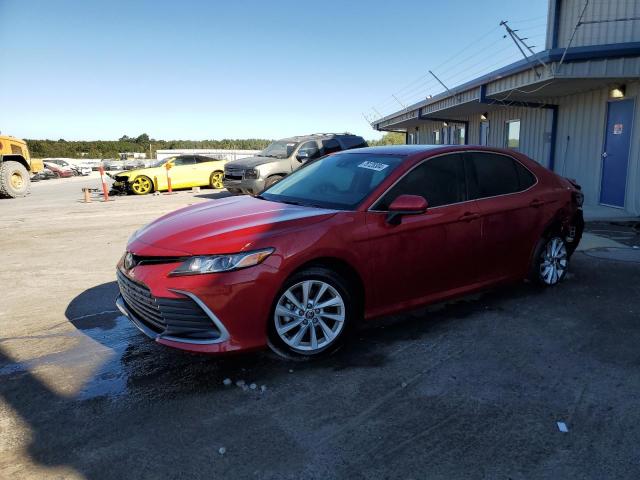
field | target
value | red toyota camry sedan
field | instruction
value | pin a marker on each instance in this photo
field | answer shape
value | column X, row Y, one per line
column 349, row 237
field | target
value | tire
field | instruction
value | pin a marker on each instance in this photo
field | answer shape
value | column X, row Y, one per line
column 317, row 331
column 14, row 180
column 141, row 185
column 215, row 181
column 550, row 261
column 272, row 180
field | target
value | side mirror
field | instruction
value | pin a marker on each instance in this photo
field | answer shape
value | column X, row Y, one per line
column 406, row 205
column 306, row 154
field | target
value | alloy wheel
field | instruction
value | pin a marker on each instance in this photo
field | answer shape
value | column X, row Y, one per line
column 141, row 185
column 309, row 316
column 553, row 261
column 216, row 180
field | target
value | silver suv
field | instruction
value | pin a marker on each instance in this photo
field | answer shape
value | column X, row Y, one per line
column 253, row 174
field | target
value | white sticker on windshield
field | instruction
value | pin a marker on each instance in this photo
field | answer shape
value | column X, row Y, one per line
column 378, row 167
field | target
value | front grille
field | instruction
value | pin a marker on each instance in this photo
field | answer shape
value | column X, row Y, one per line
column 176, row 317
column 233, row 174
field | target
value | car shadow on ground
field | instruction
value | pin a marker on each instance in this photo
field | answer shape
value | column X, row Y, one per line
column 140, row 366
column 142, row 372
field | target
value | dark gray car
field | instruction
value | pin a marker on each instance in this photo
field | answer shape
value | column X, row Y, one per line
column 253, row 174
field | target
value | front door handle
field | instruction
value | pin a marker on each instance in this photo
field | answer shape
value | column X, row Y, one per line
column 469, row 216
column 536, row 202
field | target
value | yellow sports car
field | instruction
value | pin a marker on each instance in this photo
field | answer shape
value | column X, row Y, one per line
column 186, row 171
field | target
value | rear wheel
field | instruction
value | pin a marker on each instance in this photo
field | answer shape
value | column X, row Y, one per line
column 550, row 261
column 14, row 179
column 312, row 314
column 215, row 181
column 141, row 185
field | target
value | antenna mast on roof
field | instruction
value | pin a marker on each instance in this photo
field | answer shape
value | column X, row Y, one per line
column 439, row 81
column 520, row 42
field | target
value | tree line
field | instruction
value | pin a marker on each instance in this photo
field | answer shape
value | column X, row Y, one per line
column 143, row 144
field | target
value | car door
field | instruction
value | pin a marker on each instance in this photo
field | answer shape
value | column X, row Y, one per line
column 511, row 211
column 203, row 169
column 183, row 171
column 429, row 255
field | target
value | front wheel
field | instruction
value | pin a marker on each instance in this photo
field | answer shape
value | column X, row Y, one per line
column 311, row 315
column 14, row 179
column 216, row 180
column 141, row 185
column 550, row 262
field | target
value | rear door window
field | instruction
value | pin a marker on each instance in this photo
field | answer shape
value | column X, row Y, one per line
column 182, row 161
column 492, row 174
column 440, row 180
column 330, row 145
column 200, row 159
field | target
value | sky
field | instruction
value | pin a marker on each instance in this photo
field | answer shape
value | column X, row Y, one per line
column 89, row 70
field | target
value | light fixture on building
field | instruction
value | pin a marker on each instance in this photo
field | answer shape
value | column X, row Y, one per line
column 617, row 92
column 445, row 124
column 429, row 97
column 484, row 116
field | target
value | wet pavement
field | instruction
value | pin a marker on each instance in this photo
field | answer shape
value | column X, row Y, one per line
column 470, row 389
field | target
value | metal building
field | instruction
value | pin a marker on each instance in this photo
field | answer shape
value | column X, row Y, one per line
column 573, row 107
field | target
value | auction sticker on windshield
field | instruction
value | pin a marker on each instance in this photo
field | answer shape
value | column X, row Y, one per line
column 378, row 167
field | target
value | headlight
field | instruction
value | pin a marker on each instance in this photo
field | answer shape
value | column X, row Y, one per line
column 221, row 263
column 251, row 173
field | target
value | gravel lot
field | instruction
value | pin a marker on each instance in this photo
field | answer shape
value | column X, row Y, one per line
column 471, row 389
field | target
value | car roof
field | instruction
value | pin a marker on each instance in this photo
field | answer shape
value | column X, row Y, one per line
column 399, row 149
column 316, row 136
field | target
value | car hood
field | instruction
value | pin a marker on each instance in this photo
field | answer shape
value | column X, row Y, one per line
column 227, row 225
column 130, row 173
column 251, row 162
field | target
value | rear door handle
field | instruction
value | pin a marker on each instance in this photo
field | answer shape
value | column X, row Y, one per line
column 469, row 216
column 536, row 202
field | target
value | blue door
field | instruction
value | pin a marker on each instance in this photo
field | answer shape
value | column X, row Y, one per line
column 615, row 157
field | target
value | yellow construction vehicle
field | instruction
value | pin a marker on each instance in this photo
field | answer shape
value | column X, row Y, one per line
column 16, row 167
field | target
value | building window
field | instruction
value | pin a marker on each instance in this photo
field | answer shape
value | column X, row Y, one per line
column 512, row 139
column 436, row 137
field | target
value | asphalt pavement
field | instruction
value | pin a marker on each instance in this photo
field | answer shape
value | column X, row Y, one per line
column 471, row 389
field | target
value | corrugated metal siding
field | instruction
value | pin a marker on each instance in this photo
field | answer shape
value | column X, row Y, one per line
column 400, row 117
column 457, row 99
column 581, row 131
column 604, row 68
column 599, row 33
column 519, row 80
column 535, row 130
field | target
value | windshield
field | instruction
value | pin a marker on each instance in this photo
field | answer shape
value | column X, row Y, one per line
column 339, row 181
column 279, row 149
column 160, row 162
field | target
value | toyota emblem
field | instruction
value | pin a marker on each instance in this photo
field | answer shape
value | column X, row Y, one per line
column 129, row 262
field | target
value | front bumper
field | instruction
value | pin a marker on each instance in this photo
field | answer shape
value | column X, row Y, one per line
column 236, row 303
column 252, row 187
